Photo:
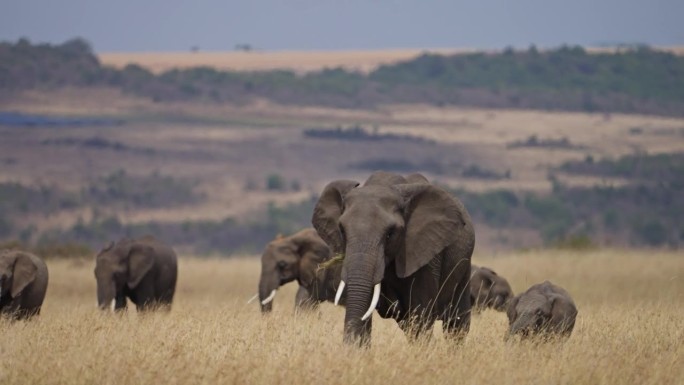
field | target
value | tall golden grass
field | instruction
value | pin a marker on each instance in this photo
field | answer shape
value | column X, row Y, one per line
column 630, row 330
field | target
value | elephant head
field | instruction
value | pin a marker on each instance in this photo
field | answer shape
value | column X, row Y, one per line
column 544, row 308
column 286, row 259
column 17, row 271
column 387, row 221
column 119, row 267
column 488, row 289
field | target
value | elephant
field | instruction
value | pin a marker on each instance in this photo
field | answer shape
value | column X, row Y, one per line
column 297, row 257
column 143, row 269
column 544, row 309
column 488, row 289
column 406, row 245
column 23, row 284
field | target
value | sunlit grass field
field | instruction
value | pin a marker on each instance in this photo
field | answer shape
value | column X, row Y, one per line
column 630, row 330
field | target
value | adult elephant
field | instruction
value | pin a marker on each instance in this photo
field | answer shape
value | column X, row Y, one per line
column 23, row 283
column 488, row 289
column 544, row 309
column 143, row 269
column 297, row 257
column 406, row 245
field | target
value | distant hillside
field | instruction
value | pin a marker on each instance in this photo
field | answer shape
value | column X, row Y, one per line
column 633, row 80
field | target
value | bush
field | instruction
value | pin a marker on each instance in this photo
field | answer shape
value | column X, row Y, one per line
column 275, row 182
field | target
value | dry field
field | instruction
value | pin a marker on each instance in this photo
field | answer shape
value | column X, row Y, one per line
column 298, row 61
column 224, row 146
column 630, row 330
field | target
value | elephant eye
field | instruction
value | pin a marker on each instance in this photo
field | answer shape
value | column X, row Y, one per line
column 390, row 232
column 282, row 265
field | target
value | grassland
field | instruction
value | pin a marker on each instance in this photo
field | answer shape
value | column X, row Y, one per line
column 221, row 149
column 298, row 61
column 630, row 330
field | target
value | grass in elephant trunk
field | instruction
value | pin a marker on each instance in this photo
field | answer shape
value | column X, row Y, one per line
column 629, row 329
column 334, row 261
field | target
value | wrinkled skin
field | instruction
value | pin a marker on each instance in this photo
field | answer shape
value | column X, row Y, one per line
column 413, row 238
column 297, row 258
column 23, row 283
column 488, row 289
column 543, row 310
column 143, row 270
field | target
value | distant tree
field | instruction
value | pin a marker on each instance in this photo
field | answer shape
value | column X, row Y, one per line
column 275, row 182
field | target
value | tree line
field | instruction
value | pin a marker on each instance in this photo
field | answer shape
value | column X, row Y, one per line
column 631, row 80
column 645, row 212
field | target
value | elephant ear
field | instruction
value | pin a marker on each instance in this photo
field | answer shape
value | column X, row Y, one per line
column 417, row 178
column 562, row 311
column 122, row 248
column 312, row 251
column 433, row 220
column 140, row 261
column 511, row 312
column 327, row 212
column 24, row 273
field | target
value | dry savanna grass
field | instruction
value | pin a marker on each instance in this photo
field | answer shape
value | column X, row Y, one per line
column 630, row 330
column 298, row 61
column 222, row 149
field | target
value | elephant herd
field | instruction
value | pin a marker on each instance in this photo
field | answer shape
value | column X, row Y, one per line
column 143, row 270
column 397, row 245
column 402, row 247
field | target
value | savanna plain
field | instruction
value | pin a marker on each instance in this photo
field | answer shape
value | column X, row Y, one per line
column 630, row 326
column 630, row 330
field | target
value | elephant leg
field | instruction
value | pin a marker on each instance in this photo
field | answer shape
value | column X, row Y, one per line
column 417, row 327
column 304, row 302
column 12, row 309
column 143, row 296
column 456, row 319
column 120, row 302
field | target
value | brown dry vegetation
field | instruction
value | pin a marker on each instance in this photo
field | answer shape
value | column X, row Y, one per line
column 298, row 61
column 222, row 148
column 630, row 330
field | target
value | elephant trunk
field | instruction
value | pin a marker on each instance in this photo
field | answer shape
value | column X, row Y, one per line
column 360, row 284
column 268, row 286
column 523, row 324
column 500, row 302
column 106, row 294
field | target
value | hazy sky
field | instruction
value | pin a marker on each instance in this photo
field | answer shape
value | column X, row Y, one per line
column 163, row 25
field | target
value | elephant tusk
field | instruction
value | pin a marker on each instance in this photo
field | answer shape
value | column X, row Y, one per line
column 269, row 298
column 253, row 298
column 113, row 304
column 338, row 295
column 374, row 302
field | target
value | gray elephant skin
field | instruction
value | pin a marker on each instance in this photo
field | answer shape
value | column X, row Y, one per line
column 143, row 270
column 297, row 257
column 23, row 284
column 488, row 289
column 544, row 309
column 407, row 246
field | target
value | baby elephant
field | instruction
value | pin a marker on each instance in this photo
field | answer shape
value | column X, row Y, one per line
column 23, row 283
column 544, row 309
column 297, row 258
column 143, row 270
column 488, row 289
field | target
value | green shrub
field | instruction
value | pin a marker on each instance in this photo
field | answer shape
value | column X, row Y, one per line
column 275, row 182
